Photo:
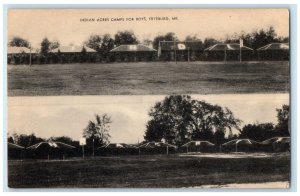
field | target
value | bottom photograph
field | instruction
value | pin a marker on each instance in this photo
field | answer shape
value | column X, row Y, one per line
column 153, row 141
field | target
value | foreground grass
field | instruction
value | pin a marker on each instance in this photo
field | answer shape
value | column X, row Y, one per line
column 148, row 78
column 147, row 171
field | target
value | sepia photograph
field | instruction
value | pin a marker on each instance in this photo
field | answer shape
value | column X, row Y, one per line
column 148, row 98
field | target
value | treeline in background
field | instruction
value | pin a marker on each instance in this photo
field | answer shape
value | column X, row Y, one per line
column 103, row 44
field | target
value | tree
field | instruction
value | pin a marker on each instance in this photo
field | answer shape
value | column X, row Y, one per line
column 107, row 44
column 167, row 37
column 98, row 130
column 283, row 120
column 193, row 38
column 125, row 37
column 94, row 42
column 45, row 46
column 264, row 37
column 258, row 132
column 19, row 42
column 53, row 45
column 207, row 119
column 25, row 140
column 178, row 119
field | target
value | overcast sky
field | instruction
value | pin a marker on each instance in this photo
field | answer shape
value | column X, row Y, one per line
column 69, row 115
column 67, row 27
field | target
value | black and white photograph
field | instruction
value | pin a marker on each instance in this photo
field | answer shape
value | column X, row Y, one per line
column 148, row 98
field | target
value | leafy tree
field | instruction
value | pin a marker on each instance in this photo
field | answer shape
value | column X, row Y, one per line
column 94, row 42
column 258, row 132
column 53, row 45
column 98, row 130
column 19, row 42
column 264, row 37
column 219, row 137
column 125, row 37
column 102, row 44
column 209, row 118
column 107, row 44
column 192, row 38
column 283, row 120
column 167, row 37
column 45, row 46
column 178, row 119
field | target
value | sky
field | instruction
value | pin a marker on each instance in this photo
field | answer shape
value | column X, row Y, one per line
column 69, row 115
column 69, row 26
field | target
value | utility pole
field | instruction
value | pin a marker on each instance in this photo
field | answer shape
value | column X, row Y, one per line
column 175, row 55
column 82, row 151
column 225, row 53
column 93, row 148
column 30, row 54
column 158, row 50
column 188, row 54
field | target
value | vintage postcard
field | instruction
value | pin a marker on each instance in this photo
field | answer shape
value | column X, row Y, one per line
column 148, row 98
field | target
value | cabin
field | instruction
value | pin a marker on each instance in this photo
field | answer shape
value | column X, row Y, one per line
column 228, row 52
column 73, row 54
column 184, row 51
column 132, row 53
column 274, row 52
column 18, row 55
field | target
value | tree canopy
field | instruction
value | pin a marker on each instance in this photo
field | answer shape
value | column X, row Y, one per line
column 283, row 117
column 167, row 37
column 179, row 118
column 125, row 37
column 24, row 140
column 45, row 46
column 263, row 131
column 19, row 42
column 98, row 130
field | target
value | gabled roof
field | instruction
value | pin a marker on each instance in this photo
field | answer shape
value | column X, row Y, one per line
column 133, row 48
column 275, row 46
column 50, row 144
column 277, row 140
column 72, row 49
column 14, row 146
column 156, row 144
column 17, row 50
column 240, row 141
column 117, row 145
column 222, row 47
column 198, row 143
column 172, row 45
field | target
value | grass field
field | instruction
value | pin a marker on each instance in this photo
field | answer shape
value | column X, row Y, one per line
column 148, row 78
column 149, row 171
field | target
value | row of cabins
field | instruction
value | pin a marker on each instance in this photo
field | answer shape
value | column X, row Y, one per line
column 167, row 51
column 59, row 150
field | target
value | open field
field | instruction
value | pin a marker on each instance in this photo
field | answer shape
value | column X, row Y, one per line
column 148, row 78
column 157, row 171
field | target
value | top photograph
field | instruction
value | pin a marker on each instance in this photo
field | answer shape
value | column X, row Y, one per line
column 61, row 52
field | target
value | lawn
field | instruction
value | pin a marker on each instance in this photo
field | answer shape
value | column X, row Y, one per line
column 148, row 78
column 157, row 171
